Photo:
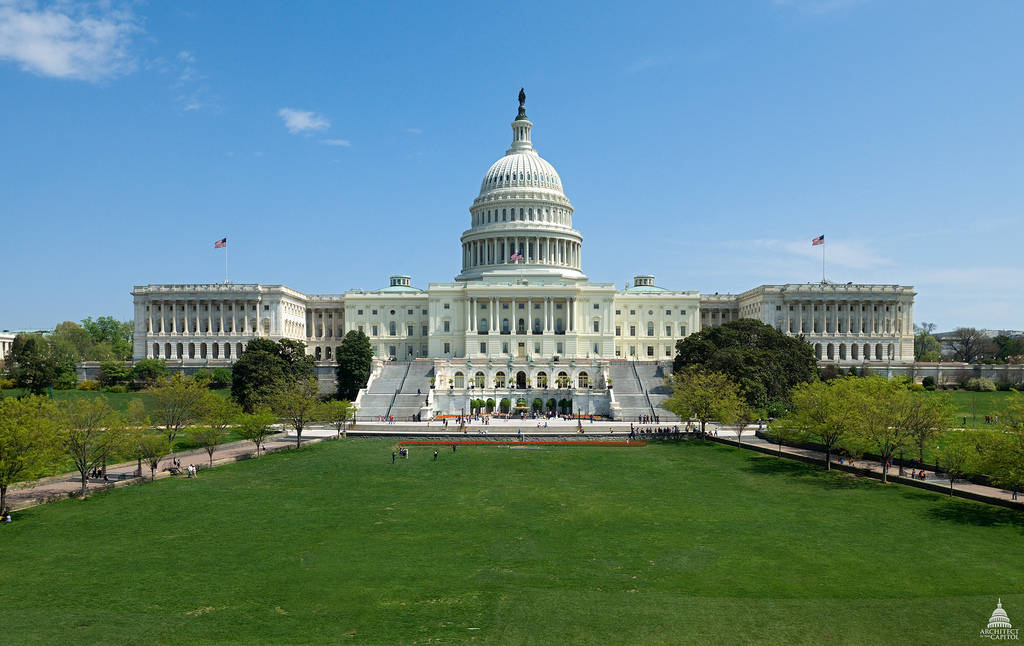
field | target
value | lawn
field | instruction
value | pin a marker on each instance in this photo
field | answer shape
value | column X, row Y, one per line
column 117, row 401
column 974, row 406
column 664, row 544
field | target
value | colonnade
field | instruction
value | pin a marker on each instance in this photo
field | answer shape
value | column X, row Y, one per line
column 550, row 321
column 187, row 317
column 534, row 249
column 325, row 326
column 855, row 317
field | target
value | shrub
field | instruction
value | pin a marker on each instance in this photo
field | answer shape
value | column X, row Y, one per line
column 119, row 388
column 928, row 383
column 221, row 378
column 88, row 384
column 915, row 387
column 6, row 384
column 980, row 384
column 1007, row 386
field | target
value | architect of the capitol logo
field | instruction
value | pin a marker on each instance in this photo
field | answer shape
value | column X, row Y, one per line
column 521, row 320
column 999, row 626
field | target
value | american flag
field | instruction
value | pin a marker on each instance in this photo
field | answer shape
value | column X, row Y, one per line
column 515, row 257
column 223, row 242
column 817, row 241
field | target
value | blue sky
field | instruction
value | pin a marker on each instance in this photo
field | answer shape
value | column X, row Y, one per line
column 337, row 143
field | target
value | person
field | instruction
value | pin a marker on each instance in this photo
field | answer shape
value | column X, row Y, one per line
column 454, row 446
column 392, row 457
column 1016, row 488
column 435, row 456
column 7, row 516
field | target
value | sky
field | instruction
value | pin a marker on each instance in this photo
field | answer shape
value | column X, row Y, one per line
column 337, row 143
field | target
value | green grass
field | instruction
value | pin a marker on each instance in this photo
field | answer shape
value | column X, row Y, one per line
column 688, row 543
column 974, row 406
column 117, row 401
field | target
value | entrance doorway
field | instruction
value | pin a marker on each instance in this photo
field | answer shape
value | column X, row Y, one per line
column 521, row 378
column 521, row 350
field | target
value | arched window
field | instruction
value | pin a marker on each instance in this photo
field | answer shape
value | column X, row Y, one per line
column 583, row 380
column 499, row 379
column 327, row 352
column 542, row 380
column 156, row 350
column 479, row 380
column 562, row 381
column 460, row 380
column 317, row 353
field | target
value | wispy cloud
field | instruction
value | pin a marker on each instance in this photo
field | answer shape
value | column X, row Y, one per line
column 338, row 142
column 414, row 131
column 303, row 121
column 850, row 254
column 645, row 63
column 68, row 40
column 192, row 91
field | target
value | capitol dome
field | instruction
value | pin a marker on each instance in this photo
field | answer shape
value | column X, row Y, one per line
column 999, row 618
column 521, row 220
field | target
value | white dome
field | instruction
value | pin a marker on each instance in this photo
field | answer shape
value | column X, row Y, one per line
column 521, row 170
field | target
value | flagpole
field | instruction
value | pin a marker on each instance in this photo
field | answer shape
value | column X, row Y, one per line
column 823, row 262
column 225, row 264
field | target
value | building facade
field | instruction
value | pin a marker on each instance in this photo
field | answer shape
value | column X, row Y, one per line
column 521, row 311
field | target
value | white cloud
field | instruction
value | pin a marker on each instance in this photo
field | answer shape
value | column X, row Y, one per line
column 302, row 121
column 80, row 41
column 338, row 142
column 186, row 56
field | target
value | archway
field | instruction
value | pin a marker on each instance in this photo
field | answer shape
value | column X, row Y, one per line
column 521, row 379
column 542, row 380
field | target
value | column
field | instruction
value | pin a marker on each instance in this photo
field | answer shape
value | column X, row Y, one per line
column 149, row 318
column 469, row 314
column 174, row 319
column 529, row 316
column 220, row 306
column 209, row 317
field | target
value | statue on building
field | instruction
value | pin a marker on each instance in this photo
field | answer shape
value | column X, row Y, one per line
column 522, row 104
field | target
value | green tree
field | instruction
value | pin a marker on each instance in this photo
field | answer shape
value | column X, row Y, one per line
column 883, row 408
column 265, row 367
column 113, row 373
column 91, row 432
column 824, row 413
column 220, row 378
column 337, row 413
column 151, row 448
column 116, row 335
column 176, row 402
column 705, row 396
column 28, row 440
column 1009, row 348
column 256, row 426
column 765, row 363
column 925, row 418
column 958, row 455
column 355, row 359
column 77, row 338
column 147, row 371
column 30, row 363
column 217, row 416
column 1002, row 454
column 926, row 346
column 299, row 404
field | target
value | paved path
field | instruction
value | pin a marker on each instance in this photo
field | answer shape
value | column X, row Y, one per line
column 48, row 489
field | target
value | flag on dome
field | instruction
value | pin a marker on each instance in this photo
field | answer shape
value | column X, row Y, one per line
column 223, row 242
column 819, row 240
column 515, row 257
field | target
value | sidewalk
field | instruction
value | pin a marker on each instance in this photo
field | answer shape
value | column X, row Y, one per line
column 30, row 494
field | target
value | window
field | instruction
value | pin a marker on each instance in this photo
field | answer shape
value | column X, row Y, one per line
column 668, row 351
column 682, row 330
column 447, row 306
column 424, row 312
column 596, row 350
column 447, row 348
column 558, row 347
column 597, row 306
column 392, row 329
column 504, row 348
column 536, row 348
column 618, row 330
column 597, row 326
column 632, row 312
column 617, row 312
column 668, row 312
column 373, row 311
column 447, row 327
column 650, row 351
column 632, row 350
column 483, row 348
column 668, row 330
column 361, row 330
column 424, row 331
column 374, row 330
column 411, row 331
column 632, row 330
column 409, row 312
column 650, row 329
column 266, row 308
column 583, row 380
column 778, row 308
column 359, row 312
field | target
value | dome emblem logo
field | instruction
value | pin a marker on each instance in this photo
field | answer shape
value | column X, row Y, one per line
column 999, row 626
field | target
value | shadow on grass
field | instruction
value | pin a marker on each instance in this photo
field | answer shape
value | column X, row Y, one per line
column 805, row 473
column 966, row 512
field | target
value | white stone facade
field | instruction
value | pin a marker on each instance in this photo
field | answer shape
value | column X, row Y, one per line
column 521, row 308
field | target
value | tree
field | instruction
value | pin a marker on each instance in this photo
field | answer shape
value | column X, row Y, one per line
column 113, row 373
column 28, row 440
column 337, row 413
column 1009, row 349
column 115, row 335
column 217, row 416
column 298, row 403
column 220, row 378
column 77, row 338
column 958, row 455
column 824, row 412
column 704, row 396
column 31, row 364
column 90, row 433
column 783, row 431
column 926, row 346
column 265, row 367
column 1003, row 452
column 924, row 418
column 256, row 426
column 176, row 402
column 882, row 409
column 355, row 359
column 970, row 345
column 147, row 371
column 765, row 363
column 151, row 448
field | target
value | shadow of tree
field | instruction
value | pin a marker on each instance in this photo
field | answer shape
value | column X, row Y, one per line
column 966, row 512
column 805, row 473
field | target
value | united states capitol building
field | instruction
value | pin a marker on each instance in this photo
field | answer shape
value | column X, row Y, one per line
column 521, row 321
